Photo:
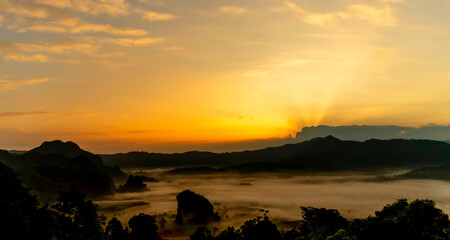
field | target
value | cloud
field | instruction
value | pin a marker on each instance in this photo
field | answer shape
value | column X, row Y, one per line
column 232, row 10
column 27, row 9
column 49, row 16
column 154, row 16
column 292, row 6
column 77, row 26
column 79, row 112
column 106, row 28
column 172, row 48
column 13, row 84
column 393, row 1
column 68, row 47
column 17, row 57
column 93, row 7
column 131, row 41
column 28, row 52
column 381, row 15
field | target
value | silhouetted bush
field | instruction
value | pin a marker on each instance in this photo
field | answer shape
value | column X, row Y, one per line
column 290, row 235
column 77, row 218
column 21, row 217
column 319, row 223
column 260, row 228
column 143, row 227
column 115, row 231
column 194, row 208
column 202, row 233
column 229, row 234
column 418, row 220
column 74, row 218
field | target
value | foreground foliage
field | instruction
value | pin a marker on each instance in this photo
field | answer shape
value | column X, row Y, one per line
column 73, row 217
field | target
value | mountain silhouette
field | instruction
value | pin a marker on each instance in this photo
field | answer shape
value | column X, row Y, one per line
column 55, row 166
column 67, row 149
column 319, row 154
column 438, row 173
column 72, row 150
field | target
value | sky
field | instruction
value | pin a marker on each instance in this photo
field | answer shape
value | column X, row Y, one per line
column 174, row 75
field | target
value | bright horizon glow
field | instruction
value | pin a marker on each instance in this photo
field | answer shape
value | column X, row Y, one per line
column 173, row 75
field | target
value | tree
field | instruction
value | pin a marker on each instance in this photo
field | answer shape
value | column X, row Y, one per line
column 194, row 208
column 21, row 217
column 143, row 227
column 202, row 233
column 260, row 228
column 76, row 217
column 319, row 223
column 418, row 220
column 229, row 234
column 290, row 235
column 115, row 231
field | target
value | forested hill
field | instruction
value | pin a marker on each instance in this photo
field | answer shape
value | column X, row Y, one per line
column 328, row 153
column 56, row 165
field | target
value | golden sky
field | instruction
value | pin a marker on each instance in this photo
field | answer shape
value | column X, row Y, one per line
column 169, row 75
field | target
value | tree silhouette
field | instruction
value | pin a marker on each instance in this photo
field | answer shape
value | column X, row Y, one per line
column 194, row 208
column 143, row 227
column 229, row 234
column 319, row 223
column 260, row 228
column 418, row 220
column 76, row 217
column 202, row 233
column 290, row 235
column 21, row 217
column 115, row 231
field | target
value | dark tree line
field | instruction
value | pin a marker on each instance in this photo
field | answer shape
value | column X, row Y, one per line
column 417, row 220
column 73, row 217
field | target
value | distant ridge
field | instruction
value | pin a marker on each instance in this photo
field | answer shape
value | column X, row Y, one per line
column 318, row 154
column 366, row 132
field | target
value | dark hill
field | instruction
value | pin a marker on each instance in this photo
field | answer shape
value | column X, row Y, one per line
column 67, row 149
column 194, row 208
column 50, row 173
column 55, row 166
column 133, row 184
column 72, row 150
column 437, row 173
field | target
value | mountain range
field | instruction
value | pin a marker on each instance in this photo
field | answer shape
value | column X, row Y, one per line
column 319, row 154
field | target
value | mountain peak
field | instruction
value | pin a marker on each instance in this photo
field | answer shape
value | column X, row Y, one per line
column 331, row 137
column 68, row 149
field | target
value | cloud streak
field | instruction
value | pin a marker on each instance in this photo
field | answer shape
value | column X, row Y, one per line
column 233, row 10
column 50, row 16
column 12, row 84
column 93, row 7
column 381, row 15
column 154, row 16
column 79, row 112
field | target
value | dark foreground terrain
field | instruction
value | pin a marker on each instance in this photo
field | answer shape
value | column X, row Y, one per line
column 74, row 217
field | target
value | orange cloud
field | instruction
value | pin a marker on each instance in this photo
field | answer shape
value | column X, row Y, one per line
column 12, row 84
column 154, row 16
column 232, row 9
column 131, row 41
column 381, row 15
